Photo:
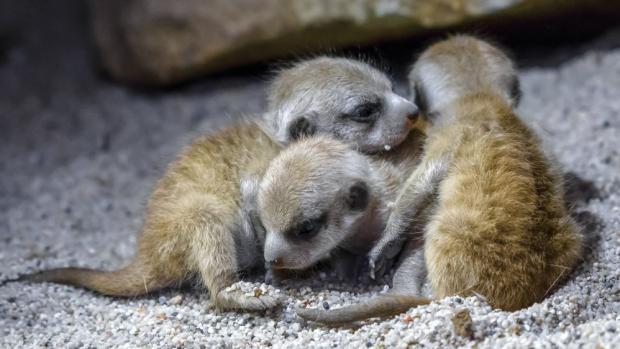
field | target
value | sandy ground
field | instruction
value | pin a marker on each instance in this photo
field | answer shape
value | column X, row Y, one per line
column 79, row 156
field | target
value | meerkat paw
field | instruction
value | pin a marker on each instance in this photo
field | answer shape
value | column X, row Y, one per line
column 270, row 279
column 249, row 301
column 381, row 256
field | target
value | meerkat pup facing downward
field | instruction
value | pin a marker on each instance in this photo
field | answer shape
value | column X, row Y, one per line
column 491, row 204
column 201, row 218
column 320, row 196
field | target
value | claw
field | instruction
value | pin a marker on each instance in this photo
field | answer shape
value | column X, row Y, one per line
column 269, row 280
column 371, row 267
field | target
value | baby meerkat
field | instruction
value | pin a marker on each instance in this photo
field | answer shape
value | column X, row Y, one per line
column 193, row 225
column 492, row 205
column 318, row 197
column 202, row 218
column 345, row 98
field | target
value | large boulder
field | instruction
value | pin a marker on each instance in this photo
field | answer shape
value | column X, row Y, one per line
column 160, row 42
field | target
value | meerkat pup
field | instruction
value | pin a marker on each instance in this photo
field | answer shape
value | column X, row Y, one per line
column 201, row 218
column 193, row 225
column 318, row 197
column 344, row 98
column 495, row 221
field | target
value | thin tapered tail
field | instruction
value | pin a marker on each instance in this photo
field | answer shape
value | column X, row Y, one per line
column 133, row 280
column 384, row 305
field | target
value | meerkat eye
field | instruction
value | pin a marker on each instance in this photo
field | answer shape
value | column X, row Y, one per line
column 310, row 227
column 365, row 112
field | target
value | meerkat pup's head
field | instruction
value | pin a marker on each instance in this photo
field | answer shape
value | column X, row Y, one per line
column 312, row 197
column 459, row 66
column 347, row 99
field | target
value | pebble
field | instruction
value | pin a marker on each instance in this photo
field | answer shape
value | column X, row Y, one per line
column 176, row 300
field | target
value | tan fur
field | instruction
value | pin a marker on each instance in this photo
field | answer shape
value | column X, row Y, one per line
column 347, row 99
column 190, row 223
column 312, row 178
column 500, row 229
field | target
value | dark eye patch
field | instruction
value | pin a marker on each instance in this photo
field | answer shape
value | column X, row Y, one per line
column 308, row 228
column 365, row 112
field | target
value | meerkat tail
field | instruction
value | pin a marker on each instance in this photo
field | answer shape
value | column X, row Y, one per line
column 385, row 305
column 131, row 280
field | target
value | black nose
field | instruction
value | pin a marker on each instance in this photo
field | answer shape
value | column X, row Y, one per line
column 413, row 113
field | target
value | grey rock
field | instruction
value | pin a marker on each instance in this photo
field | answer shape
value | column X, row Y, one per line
column 162, row 42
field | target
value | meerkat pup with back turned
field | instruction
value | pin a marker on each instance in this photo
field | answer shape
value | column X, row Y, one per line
column 201, row 216
column 496, row 224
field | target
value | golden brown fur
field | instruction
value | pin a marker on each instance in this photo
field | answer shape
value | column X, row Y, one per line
column 191, row 222
column 500, row 228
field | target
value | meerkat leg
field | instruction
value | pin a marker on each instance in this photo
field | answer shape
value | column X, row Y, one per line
column 347, row 265
column 213, row 252
column 411, row 270
column 419, row 189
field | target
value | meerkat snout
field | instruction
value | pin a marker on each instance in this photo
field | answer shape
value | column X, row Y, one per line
column 404, row 107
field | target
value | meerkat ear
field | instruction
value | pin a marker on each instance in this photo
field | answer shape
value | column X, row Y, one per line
column 301, row 127
column 419, row 98
column 358, row 196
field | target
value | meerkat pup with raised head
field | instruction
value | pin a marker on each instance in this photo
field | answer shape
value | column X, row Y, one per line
column 344, row 98
column 201, row 217
column 497, row 224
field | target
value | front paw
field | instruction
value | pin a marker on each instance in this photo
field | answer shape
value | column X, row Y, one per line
column 381, row 257
column 254, row 300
